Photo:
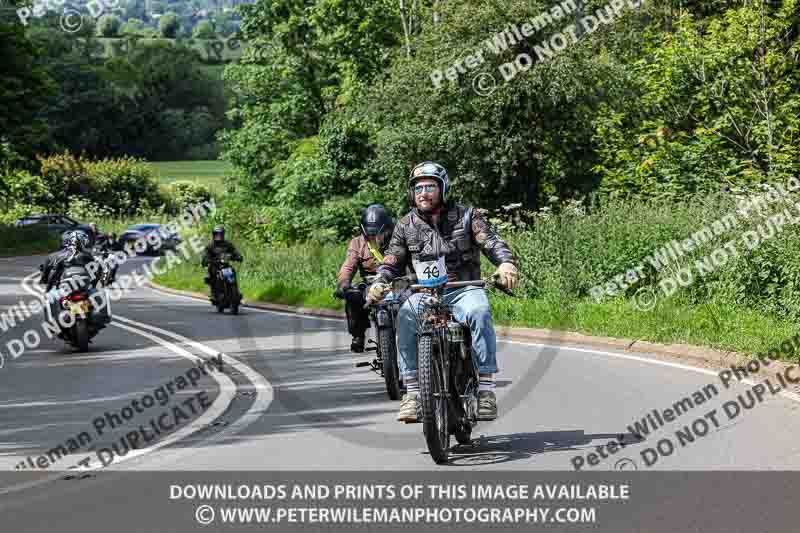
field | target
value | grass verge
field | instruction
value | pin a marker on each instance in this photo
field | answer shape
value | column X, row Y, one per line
column 305, row 276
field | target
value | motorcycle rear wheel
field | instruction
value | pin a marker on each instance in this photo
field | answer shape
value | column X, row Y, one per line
column 434, row 404
column 82, row 335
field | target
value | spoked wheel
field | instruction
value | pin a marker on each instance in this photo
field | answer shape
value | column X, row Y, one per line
column 388, row 353
column 434, row 403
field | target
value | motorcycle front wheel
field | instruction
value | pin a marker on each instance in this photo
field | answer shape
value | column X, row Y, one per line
column 434, row 403
column 388, row 352
column 234, row 298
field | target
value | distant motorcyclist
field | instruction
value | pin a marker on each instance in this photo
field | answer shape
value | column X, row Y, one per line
column 73, row 253
column 436, row 227
column 217, row 247
column 102, row 240
column 364, row 255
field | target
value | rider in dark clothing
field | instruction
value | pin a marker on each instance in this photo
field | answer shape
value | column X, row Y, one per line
column 217, row 247
column 71, row 254
column 364, row 256
column 102, row 240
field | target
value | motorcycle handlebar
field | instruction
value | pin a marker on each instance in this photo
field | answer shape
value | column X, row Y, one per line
column 473, row 283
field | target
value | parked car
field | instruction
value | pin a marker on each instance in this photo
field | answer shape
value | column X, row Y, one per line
column 128, row 238
column 54, row 223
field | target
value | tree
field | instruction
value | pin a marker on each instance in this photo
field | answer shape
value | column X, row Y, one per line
column 24, row 87
column 108, row 26
column 223, row 24
column 169, row 25
column 132, row 27
column 204, row 30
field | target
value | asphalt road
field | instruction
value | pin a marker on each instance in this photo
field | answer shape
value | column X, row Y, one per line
column 289, row 398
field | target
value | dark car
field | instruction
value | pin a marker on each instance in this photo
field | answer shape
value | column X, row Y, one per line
column 54, row 223
column 169, row 239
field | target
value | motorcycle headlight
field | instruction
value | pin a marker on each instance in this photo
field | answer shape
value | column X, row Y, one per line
column 382, row 317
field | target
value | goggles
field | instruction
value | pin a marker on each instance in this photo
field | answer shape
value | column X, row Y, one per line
column 430, row 187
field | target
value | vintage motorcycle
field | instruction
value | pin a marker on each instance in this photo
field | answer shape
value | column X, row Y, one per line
column 447, row 369
column 225, row 285
column 383, row 316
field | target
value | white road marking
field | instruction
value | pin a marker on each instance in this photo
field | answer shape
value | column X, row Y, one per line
column 263, row 388
column 789, row 395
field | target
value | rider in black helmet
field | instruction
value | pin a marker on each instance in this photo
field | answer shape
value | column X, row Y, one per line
column 217, row 247
column 364, row 255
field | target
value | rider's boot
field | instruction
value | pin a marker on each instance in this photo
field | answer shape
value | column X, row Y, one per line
column 357, row 345
column 410, row 408
column 487, row 405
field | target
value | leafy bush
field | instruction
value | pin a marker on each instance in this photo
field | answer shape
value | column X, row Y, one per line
column 189, row 193
column 22, row 187
column 204, row 30
column 85, row 209
column 108, row 26
column 17, row 211
column 121, row 185
column 168, row 25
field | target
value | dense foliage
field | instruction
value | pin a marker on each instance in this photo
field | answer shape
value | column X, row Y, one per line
column 158, row 101
column 64, row 183
column 668, row 100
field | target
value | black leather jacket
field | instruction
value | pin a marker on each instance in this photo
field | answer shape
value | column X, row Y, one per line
column 459, row 233
column 218, row 248
column 57, row 262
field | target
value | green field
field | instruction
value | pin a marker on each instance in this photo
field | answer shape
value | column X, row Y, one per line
column 209, row 173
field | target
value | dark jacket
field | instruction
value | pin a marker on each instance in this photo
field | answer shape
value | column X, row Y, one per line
column 57, row 262
column 359, row 258
column 217, row 248
column 458, row 232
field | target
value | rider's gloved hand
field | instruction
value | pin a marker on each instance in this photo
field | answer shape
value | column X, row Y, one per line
column 341, row 290
column 507, row 275
column 376, row 291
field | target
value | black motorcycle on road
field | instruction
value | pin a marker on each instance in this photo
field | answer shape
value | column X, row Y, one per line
column 74, row 308
column 383, row 316
column 107, row 273
column 225, row 285
column 448, row 370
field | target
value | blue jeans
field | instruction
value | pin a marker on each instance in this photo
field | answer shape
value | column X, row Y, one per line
column 470, row 306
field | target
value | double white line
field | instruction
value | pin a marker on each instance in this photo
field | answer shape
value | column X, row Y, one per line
column 227, row 391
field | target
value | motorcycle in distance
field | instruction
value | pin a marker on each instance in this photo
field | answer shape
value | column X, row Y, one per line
column 383, row 317
column 447, row 368
column 74, row 297
column 109, row 268
column 225, row 286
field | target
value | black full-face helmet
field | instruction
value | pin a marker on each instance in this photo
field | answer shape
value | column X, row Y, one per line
column 428, row 169
column 218, row 233
column 376, row 220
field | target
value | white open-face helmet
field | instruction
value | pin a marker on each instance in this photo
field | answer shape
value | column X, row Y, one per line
column 428, row 169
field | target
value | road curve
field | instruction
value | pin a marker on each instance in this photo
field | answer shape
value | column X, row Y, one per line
column 290, row 399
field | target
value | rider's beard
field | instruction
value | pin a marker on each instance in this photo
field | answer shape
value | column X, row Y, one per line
column 433, row 208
